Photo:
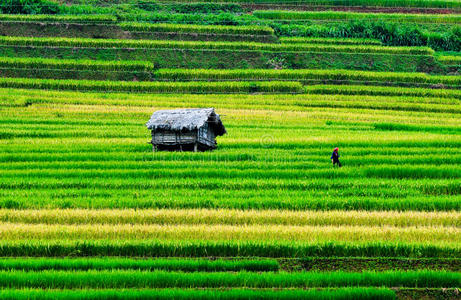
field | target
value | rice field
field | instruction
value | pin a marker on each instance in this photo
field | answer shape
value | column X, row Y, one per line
column 89, row 211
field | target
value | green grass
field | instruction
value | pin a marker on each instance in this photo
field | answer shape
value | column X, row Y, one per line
column 334, row 41
column 335, row 15
column 450, row 60
column 397, row 154
column 153, row 87
column 72, row 64
column 144, row 71
column 269, row 249
column 241, row 59
column 379, row 3
column 230, row 217
column 161, row 279
column 326, row 294
column 59, row 18
column 436, row 101
column 148, row 44
column 88, row 211
column 344, row 76
column 185, row 265
column 209, row 232
column 185, row 28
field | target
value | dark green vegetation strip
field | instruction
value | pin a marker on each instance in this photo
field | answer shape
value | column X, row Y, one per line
column 162, row 279
column 147, row 44
column 241, row 59
column 118, row 69
column 389, row 32
column 334, row 41
column 185, row 265
column 299, row 75
column 231, row 294
column 346, row 264
column 184, row 32
column 216, row 29
column 373, row 3
column 379, row 3
column 427, row 293
column 221, row 249
column 342, row 16
column 378, row 264
column 45, row 73
column 59, row 18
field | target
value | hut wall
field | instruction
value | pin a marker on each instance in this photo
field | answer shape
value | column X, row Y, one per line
column 206, row 136
column 173, row 138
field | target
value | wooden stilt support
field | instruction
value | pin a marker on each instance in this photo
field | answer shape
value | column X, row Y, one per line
column 195, row 147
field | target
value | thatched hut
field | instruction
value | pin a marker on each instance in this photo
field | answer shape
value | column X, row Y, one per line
column 185, row 129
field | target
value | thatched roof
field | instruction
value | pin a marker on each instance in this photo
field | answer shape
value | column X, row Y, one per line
column 186, row 119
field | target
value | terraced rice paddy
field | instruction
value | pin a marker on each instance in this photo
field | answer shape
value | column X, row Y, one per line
column 89, row 211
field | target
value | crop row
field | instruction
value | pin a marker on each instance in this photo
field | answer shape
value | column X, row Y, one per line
column 381, row 91
column 12, row 177
column 161, row 279
column 231, row 217
column 342, row 16
column 74, row 64
column 279, row 155
column 226, row 161
column 88, row 18
column 239, row 181
column 298, row 75
column 137, row 26
column 185, row 265
column 233, row 157
column 75, row 74
column 16, row 163
column 232, row 149
column 198, row 57
column 153, row 87
column 207, row 232
column 328, row 93
column 383, row 167
column 378, row 3
column 66, row 134
column 189, row 248
column 326, row 41
column 53, row 66
column 228, row 87
column 436, row 197
column 189, row 28
column 340, row 103
column 202, row 294
column 320, row 173
column 435, row 101
column 149, row 44
column 450, row 60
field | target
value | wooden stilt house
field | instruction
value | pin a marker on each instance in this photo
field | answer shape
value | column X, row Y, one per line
column 185, row 129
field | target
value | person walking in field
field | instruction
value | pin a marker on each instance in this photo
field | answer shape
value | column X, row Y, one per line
column 335, row 157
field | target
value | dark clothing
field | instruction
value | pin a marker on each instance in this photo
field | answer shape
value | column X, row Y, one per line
column 335, row 155
column 335, row 158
